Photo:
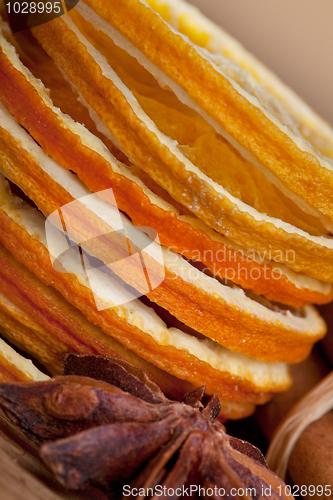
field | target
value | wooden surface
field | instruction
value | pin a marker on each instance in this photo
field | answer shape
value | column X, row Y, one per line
column 24, row 477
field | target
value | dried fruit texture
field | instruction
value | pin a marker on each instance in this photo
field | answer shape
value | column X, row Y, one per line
column 183, row 153
column 16, row 368
column 257, row 79
column 45, row 325
column 209, row 307
column 38, row 319
column 147, row 205
column 93, row 432
column 274, row 145
column 187, row 172
column 236, row 378
column 21, row 329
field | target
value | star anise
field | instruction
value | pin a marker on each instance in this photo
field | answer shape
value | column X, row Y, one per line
column 104, row 422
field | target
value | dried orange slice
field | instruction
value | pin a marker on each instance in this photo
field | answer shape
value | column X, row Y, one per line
column 234, row 376
column 59, row 137
column 39, row 320
column 42, row 323
column 207, row 81
column 182, row 156
column 220, row 312
column 16, row 368
column 258, row 80
column 140, row 127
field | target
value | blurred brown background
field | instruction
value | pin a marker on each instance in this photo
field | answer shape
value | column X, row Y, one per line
column 292, row 37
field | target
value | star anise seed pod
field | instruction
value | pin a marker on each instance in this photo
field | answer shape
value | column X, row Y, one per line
column 122, row 430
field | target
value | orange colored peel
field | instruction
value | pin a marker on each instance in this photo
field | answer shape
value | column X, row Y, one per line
column 260, row 81
column 272, row 144
column 184, row 234
column 16, row 368
column 244, row 226
column 45, row 325
column 38, row 319
column 121, row 325
column 187, row 155
column 202, row 303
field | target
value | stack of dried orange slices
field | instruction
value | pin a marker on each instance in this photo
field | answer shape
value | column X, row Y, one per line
column 185, row 133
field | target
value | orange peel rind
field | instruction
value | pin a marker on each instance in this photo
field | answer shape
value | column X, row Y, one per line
column 37, row 319
column 146, row 137
column 16, row 368
column 25, row 328
column 261, row 82
column 207, row 82
column 216, row 158
column 233, row 376
column 59, row 137
column 42, row 323
column 217, row 311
